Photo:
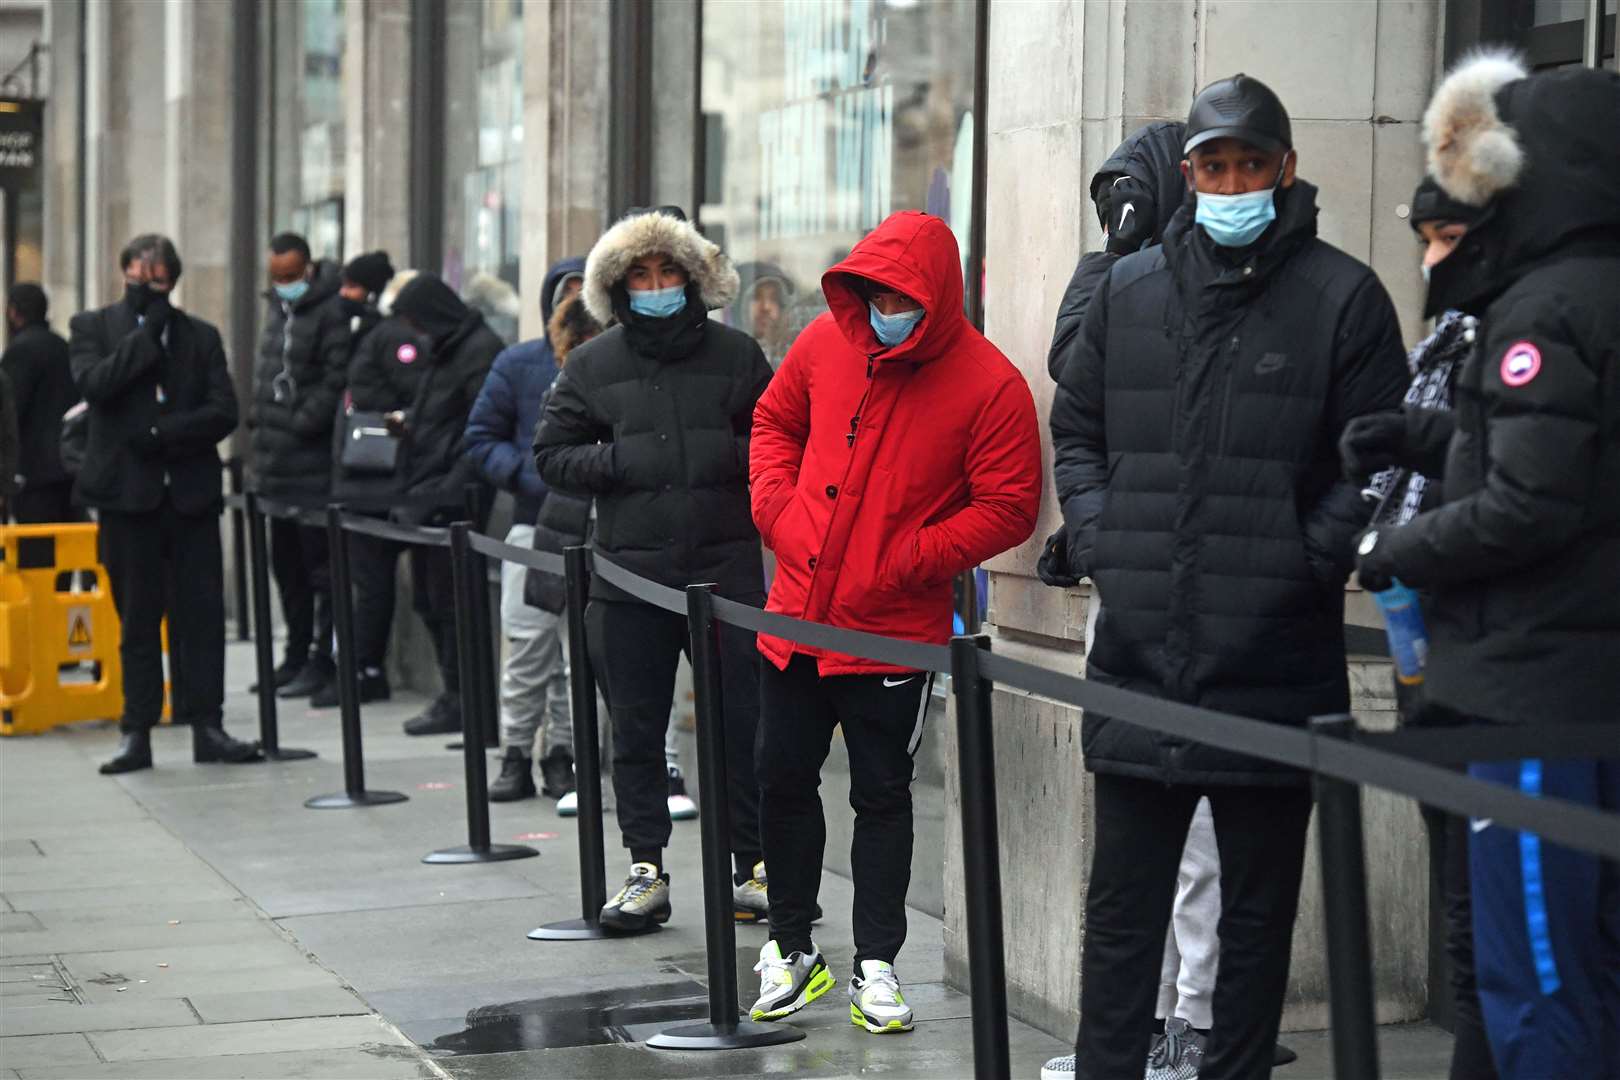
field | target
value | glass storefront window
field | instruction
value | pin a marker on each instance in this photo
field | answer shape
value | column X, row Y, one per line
column 484, row 155
column 825, row 116
column 307, row 42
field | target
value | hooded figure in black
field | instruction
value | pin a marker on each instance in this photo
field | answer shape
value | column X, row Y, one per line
column 302, row 365
column 36, row 361
column 652, row 418
column 1194, row 429
column 1521, row 561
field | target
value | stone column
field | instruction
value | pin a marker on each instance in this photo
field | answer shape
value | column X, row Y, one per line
column 1067, row 81
column 376, row 91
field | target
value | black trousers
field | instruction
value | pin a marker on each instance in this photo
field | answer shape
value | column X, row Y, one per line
column 882, row 719
column 167, row 563
column 1471, row 1049
column 301, row 565
column 372, row 563
column 1141, row 826
column 45, row 505
column 634, row 649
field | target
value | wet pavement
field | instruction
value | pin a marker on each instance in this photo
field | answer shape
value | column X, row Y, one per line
column 316, row 943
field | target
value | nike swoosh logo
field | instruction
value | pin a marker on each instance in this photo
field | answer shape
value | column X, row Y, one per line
column 1125, row 215
column 891, row 683
column 1479, row 825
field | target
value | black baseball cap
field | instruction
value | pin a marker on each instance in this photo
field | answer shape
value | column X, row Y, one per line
column 1239, row 107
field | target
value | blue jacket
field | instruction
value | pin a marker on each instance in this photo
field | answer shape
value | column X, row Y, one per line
column 500, row 429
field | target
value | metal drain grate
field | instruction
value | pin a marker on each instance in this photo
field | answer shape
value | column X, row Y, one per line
column 36, row 982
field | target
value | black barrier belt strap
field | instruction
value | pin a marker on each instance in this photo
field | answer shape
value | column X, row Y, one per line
column 365, row 503
column 1558, row 820
column 535, row 560
column 1274, row 742
column 1497, row 742
column 304, row 515
column 912, row 655
column 421, row 535
column 651, row 592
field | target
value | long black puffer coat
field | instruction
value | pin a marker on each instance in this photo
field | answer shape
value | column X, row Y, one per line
column 653, row 418
column 297, row 382
column 1522, row 560
column 1195, row 431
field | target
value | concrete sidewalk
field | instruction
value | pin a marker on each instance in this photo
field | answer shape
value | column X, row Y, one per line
column 279, row 941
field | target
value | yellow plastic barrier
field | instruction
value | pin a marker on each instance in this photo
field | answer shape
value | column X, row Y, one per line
column 59, row 631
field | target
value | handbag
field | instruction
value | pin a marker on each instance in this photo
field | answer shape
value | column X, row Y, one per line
column 369, row 447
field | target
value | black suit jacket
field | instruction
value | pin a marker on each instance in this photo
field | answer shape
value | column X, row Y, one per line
column 157, row 411
column 37, row 362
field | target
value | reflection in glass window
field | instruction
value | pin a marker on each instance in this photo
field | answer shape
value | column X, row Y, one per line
column 825, row 116
column 307, row 184
column 484, row 144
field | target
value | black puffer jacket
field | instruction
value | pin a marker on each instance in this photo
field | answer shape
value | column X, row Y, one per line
column 297, row 382
column 1195, row 431
column 463, row 348
column 653, row 418
column 1522, row 561
column 382, row 378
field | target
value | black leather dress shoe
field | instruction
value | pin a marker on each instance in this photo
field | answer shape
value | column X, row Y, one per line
column 311, row 679
column 134, row 752
column 210, row 744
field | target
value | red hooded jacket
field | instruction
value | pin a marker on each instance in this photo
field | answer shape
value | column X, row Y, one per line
column 879, row 473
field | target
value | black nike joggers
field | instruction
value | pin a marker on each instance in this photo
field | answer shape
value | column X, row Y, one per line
column 882, row 720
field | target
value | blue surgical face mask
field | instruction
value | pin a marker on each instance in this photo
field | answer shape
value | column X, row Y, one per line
column 891, row 330
column 658, row 303
column 1236, row 221
column 294, row 292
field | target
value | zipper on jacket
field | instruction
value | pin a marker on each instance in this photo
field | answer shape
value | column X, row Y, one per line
column 855, row 421
column 1226, row 394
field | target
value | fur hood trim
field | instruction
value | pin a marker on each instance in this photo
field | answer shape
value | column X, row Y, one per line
column 390, row 293
column 1472, row 154
column 644, row 234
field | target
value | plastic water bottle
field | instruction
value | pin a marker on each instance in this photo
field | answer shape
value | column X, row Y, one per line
column 1408, row 638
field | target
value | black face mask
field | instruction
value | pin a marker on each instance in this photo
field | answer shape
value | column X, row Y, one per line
column 137, row 296
column 353, row 309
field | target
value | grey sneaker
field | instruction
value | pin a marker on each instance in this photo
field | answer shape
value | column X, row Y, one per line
column 641, row 901
column 750, row 901
column 787, row 984
column 875, row 1000
column 1177, row 1054
column 1059, row 1068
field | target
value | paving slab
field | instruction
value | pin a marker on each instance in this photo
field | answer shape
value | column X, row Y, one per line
column 242, row 1005
column 364, row 1063
column 49, row 1019
column 252, row 1037
column 19, row 1051
column 60, row 932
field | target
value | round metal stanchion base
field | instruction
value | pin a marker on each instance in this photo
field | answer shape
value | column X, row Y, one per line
column 702, row 1035
column 494, row 853
column 584, row 930
column 289, row 754
column 454, row 746
column 343, row 800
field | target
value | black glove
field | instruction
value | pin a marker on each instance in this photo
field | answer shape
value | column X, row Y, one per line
column 1053, row 566
column 157, row 314
column 1371, row 444
column 1374, row 568
column 1133, row 214
column 146, row 444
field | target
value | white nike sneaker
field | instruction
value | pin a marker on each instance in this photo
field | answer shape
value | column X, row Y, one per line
column 641, row 902
column 875, row 1001
column 681, row 806
column 788, row 984
column 568, row 805
column 1059, row 1068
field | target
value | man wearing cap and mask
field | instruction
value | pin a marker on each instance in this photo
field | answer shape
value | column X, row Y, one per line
column 1194, row 430
column 1520, row 563
column 302, row 367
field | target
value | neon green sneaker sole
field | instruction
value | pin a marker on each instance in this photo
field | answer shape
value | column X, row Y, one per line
column 818, row 984
column 893, row 1027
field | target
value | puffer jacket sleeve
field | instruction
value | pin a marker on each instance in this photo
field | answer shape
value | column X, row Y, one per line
column 1088, row 275
column 781, row 429
column 1544, row 438
column 569, row 449
column 491, row 439
column 1370, row 376
column 1004, row 489
column 1079, row 434
column 317, row 402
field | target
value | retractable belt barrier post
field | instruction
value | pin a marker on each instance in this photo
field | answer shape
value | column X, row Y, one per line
column 485, row 668
column 239, row 551
column 587, row 767
column 354, row 791
column 263, row 644
column 477, row 700
column 981, row 858
column 724, row 1029
column 1344, row 915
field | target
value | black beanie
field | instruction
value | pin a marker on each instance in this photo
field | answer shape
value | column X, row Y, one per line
column 372, row 271
column 1431, row 203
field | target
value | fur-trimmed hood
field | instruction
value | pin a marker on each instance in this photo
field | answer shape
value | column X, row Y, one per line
column 646, row 233
column 1539, row 153
column 571, row 324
